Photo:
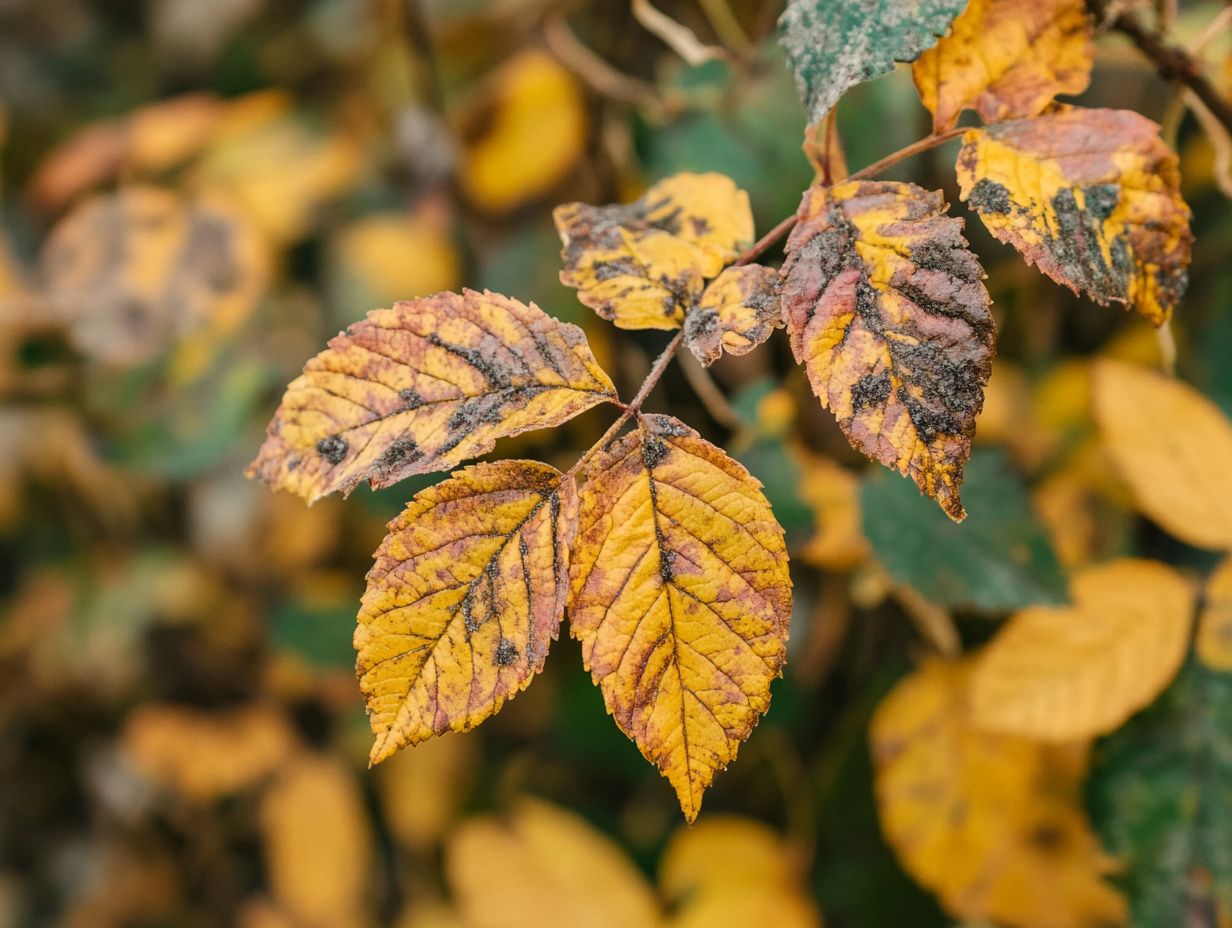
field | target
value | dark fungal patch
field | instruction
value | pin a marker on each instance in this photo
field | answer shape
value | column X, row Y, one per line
column 987, row 196
column 495, row 374
column 653, row 452
column 411, row 399
column 667, row 565
column 401, row 452
column 1101, row 199
column 506, row 654
column 871, row 390
column 333, row 448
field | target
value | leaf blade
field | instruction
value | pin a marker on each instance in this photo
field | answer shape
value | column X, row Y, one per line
column 736, row 313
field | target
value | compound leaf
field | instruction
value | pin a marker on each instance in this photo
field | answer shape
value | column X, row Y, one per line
column 886, row 309
column 1071, row 672
column 1091, row 197
column 737, row 313
column 1006, row 60
column 424, row 386
column 680, row 595
column 466, row 594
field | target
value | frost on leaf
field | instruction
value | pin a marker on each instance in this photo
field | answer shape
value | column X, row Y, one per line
column 1092, row 197
column 680, row 595
column 465, row 596
column 737, row 313
column 832, row 45
column 1006, row 60
column 643, row 265
column 886, row 309
column 424, row 386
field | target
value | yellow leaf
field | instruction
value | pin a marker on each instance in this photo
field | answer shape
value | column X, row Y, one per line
column 680, row 596
column 643, row 265
column 1006, row 60
column 1091, row 197
column 423, row 789
column 535, row 134
column 466, row 595
column 393, row 256
column 543, row 865
column 886, row 309
column 1070, row 672
column 1173, row 447
column 736, row 313
column 318, row 844
column 990, row 823
column 833, row 493
column 424, row 386
column 1214, row 642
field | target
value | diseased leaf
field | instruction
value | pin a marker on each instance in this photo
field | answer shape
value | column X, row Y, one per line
column 737, row 313
column 886, row 309
column 680, row 595
column 1000, row 558
column 990, row 823
column 466, row 595
column 1091, row 197
column 424, row 386
column 1173, row 447
column 833, row 45
column 1006, row 60
column 644, row 265
column 1078, row 671
column 1214, row 642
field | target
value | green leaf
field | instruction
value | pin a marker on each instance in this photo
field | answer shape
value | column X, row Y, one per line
column 835, row 44
column 1161, row 797
column 999, row 558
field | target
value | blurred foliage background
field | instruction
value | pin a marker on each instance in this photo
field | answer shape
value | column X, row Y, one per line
column 195, row 196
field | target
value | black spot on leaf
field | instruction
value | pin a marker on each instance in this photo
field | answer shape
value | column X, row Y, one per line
column 333, row 449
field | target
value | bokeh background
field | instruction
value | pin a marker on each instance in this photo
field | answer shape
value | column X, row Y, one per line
column 194, row 196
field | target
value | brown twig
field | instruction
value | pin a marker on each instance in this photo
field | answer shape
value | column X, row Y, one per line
column 762, row 244
column 925, row 144
column 711, row 395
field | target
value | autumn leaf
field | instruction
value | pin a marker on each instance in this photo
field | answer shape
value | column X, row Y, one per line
column 832, row 45
column 988, row 822
column 645, row 264
column 1006, row 60
column 465, row 597
column 1091, row 197
column 1172, row 446
column 736, row 313
column 423, row 386
column 1071, row 672
column 885, row 308
column 680, row 596
column 833, row 493
column 1214, row 641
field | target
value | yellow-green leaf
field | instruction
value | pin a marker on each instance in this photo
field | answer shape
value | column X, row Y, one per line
column 886, row 309
column 1069, row 672
column 466, row 595
column 423, row 386
column 737, row 313
column 680, row 596
column 1091, row 197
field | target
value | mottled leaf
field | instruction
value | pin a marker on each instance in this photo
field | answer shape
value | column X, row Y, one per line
column 644, row 265
column 1214, row 642
column 737, row 313
column 680, row 596
column 424, row 386
column 1006, row 60
column 886, row 309
column 1071, row 672
column 833, row 45
column 1091, row 197
column 1172, row 445
column 466, row 595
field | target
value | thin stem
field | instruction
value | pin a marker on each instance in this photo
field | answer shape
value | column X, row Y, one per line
column 763, row 243
column 908, row 151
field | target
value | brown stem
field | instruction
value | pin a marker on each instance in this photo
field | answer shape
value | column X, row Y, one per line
column 763, row 243
column 908, row 151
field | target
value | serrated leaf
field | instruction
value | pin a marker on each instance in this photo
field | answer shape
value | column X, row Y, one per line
column 466, row 594
column 1061, row 674
column 1214, row 642
column 886, row 309
column 987, row 822
column 644, row 265
column 1089, row 196
column 1006, row 60
column 1162, row 799
column 737, row 313
column 423, row 386
column 680, row 595
column 1173, row 447
column 833, row 45
column 1000, row 558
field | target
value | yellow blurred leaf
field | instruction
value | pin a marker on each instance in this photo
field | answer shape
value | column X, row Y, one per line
column 1214, row 641
column 736, row 313
column 424, row 386
column 423, row 788
column 833, row 493
column 887, row 312
column 396, row 256
column 1006, row 59
column 1173, row 447
column 542, row 865
column 681, row 598
column 1071, row 672
column 466, row 595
